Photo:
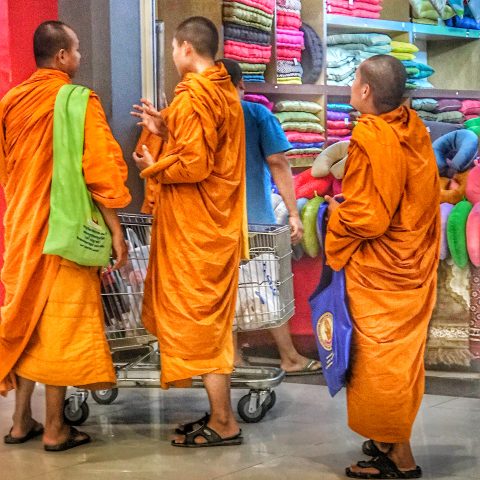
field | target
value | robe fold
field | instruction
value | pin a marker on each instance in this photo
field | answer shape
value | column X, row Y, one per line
column 44, row 293
column 386, row 235
column 199, row 230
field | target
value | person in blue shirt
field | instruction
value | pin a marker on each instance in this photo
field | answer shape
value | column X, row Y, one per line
column 266, row 146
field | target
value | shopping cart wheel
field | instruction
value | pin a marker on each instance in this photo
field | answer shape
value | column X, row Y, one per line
column 270, row 400
column 75, row 415
column 249, row 408
column 105, row 397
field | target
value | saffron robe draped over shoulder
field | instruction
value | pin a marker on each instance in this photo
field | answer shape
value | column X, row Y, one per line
column 199, row 228
column 37, row 286
column 386, row 234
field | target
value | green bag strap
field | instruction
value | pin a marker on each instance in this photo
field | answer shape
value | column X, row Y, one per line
column 68, row 136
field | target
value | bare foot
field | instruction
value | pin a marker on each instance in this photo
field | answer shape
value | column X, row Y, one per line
column 57, row 437
column 300, row 364
column 22, row 428
column 224, row 430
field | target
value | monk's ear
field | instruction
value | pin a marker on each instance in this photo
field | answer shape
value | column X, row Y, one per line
column 366, row 90
column 61, row 56
column 187, row 49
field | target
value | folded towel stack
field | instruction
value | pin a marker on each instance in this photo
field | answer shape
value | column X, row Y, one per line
column 446, row 110
column 247, row 33
column 346, row 51
column 290, row 42
column 303, row 127
column 250, row 97
column 423, row 11
column 355, row 8
column 467, row 16
column 339, row 122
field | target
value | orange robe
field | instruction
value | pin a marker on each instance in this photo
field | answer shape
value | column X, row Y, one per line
column 51, row 327
column 197, row 239
column 386, row 234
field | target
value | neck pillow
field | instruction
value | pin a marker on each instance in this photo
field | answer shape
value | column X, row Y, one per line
column 457, row 149
column 473, row 235
column 309, row 219
column 456, row 233
column 452, row 190
column 328, row 159
column 445, row 210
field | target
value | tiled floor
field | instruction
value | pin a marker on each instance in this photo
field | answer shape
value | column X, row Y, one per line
column 303, row 437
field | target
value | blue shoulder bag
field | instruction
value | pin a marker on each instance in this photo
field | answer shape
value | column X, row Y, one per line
column 331, row 319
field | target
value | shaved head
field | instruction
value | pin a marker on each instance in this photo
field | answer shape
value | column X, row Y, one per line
column 49, row 38
column 386, row 77
column 201, row 33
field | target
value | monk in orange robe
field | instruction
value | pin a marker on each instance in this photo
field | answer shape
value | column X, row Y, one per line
column 199, row 228
column 51, row 327
column 386, row 235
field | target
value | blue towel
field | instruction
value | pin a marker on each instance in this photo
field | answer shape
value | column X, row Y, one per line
column 253, row 78
column 307, row 145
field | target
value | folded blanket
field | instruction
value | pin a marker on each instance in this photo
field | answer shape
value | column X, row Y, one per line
column 424, row 71
column 286, row 37
column 289, row 81
column 356, row 12
column 245, row 34
column 250, row 97
column 336, row 56
column 293, row 136
column 402, row 56
column 298, row 106
column 347, row 82
column 337, row 116
column 339, row 124
column 339, row 132
column 470, row 107
column 306, row 145
column 365, row 38
column 423, row 9
column 252, row 67
column 421, row 83
column 289, row 53
column 289, row 116
column 360, row 47
column 287, row 67
column 341, row 73
column 332, row 140
column 404, row 47
column 254, row 78
column 305, row 151
column 303, row 127
column 288, row 20
column 349, row 5
column 448, row 105
column 235, row 12
column 450, row 117
column 267, row 6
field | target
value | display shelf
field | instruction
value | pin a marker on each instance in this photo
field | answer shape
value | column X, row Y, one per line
column 444, row 93
column 342, row 23
column 442, row 32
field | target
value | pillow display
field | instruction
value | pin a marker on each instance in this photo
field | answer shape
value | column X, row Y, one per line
column 445, row 210
column 340, row 107
column 298, row 106
column 328, row 158
column 473, row 235
column 472, row 190
column 456, row 233
column 448, row 105
column 426, row 104
column 364, row 38
column 296, row 116
column 456, row 149
column 303, row 127
column 309, row 219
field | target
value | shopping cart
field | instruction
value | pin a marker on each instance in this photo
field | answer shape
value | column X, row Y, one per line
column 265, row 300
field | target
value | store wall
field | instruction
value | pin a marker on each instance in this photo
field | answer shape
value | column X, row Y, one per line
column 109, row 33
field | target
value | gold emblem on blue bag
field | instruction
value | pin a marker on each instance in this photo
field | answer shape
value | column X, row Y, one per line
column 325, row 331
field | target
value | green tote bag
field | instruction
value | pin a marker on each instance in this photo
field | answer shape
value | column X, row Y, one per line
column 76, row 228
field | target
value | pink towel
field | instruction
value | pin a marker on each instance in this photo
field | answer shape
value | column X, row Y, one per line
column 250, row 97
column 369, row 7
column 267, row 6
column 304, row 137
column 247, row 52
column 288, row 20
column 337, row 124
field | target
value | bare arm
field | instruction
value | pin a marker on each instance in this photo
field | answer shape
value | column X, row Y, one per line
column 282, row 176
column 119, row 246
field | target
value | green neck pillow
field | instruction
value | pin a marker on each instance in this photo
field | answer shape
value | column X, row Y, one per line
column 456, row 233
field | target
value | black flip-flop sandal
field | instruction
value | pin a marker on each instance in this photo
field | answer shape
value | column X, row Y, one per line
column 213, row 439
column 71, row 442
column 371, row 450
column 386, row 468
column 33, row 433
column 190, row 427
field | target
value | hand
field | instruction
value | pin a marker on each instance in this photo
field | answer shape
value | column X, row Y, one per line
column 333, row 204
column 296, row 229
column 120, row 250
column 143, row 161
column 150, row 118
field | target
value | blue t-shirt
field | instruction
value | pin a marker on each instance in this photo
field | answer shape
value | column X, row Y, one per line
column 265, row 137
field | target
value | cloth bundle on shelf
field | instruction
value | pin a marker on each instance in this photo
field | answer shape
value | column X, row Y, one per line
column 417, row 74
column 339, row 123
column 247, row 35
column 346, row 51
column 447, row 110
column 290, row 42
column 303, row 127
column 355, row 8
column 423, row 11
column 467, row 16
column 262, row 99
